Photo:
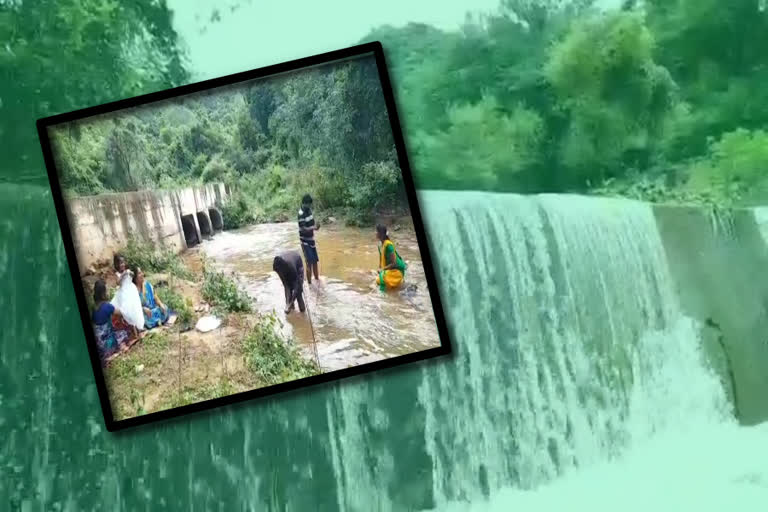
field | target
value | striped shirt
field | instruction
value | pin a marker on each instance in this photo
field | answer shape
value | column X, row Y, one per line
column 306, row 222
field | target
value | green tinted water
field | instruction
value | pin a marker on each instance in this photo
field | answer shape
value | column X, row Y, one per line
column 562, row 365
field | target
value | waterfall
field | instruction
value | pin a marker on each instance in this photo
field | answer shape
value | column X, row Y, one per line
column 570, row 341
column 721, row 222
column 576, row 381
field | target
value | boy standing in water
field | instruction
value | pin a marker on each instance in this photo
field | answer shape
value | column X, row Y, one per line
column 307, row 228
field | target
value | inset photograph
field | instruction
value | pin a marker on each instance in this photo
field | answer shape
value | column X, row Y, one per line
column 243, row 236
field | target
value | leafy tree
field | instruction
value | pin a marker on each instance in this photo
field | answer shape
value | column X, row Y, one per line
column 715, row 52
column 614, row 95
column 113, row 50
column 734, row 166
column 261, row 99
column 81, row 157
column 483, row 148
column 662, row 100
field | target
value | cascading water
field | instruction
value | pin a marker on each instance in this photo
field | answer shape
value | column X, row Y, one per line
column 571, row 346
column 721, row 222
column 576, row 383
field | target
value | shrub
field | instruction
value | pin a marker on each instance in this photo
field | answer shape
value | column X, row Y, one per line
column 199, row 165
column 154, row 259
column 282, row 206
column 182, row 306
column 216, row 170
column 275, row 179
column 237, row 212
column 272, row 358
column 221, row 291
column 328, row 186
column 483, row 148
column 379, row 184
column 732, row 171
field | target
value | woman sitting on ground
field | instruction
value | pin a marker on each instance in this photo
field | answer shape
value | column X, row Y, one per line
column 391, row 267
column 109, row 337
column 155, row 312
column 127, row 298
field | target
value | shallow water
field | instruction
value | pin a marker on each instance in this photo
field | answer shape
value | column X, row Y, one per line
column 353, row 322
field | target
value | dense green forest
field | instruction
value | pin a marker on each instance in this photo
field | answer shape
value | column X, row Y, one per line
column 60, row 55
column 660, row 100
column 324, row 131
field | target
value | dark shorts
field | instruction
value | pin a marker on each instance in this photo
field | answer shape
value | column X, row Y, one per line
column 310, row 254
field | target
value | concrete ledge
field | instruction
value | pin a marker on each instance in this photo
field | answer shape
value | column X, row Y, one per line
column 103, row 224
column 718, row 262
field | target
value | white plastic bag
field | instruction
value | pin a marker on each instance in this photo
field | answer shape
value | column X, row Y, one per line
column 207, row 323
column 128, row 301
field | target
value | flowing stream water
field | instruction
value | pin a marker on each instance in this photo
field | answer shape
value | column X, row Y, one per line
column 353, row 321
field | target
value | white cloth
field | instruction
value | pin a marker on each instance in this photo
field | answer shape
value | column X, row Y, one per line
column 128, row 301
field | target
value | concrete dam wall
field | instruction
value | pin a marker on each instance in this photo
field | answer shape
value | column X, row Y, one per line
column 103, row 224
column 718, row 262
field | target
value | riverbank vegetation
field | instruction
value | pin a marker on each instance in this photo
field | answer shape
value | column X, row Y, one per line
column 323, row 131
column 177, row 365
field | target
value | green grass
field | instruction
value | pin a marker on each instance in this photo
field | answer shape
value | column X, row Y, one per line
column 222, row 292
column 123, row 373
column 148, row 351
column 271, row 358
column 153, row 259
column 179, row 304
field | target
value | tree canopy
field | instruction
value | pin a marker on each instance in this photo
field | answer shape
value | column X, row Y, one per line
column 113, row 50
column 541, row 96
column 324, row 129
column 556, row 96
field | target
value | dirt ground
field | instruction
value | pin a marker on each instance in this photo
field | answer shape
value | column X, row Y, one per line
column 168, row 366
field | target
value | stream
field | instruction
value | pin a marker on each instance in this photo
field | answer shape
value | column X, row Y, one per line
column 353, row 322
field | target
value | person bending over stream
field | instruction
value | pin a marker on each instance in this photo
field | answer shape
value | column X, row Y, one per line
column 391, row 267
column 290, row 269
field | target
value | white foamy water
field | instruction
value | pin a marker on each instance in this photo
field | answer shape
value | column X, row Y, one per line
column 709, row 467
column 579, row 384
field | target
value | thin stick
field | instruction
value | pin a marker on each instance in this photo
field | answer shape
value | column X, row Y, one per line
column 221, row 352
column 179, row 358
column 312, row 330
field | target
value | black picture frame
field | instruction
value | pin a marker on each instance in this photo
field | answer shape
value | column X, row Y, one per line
column 374, row 48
